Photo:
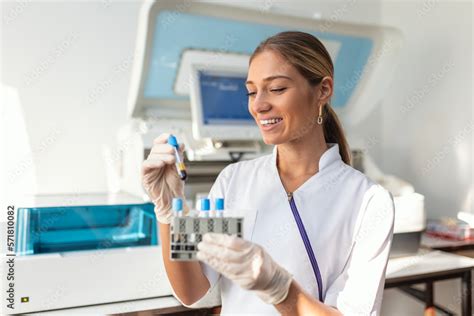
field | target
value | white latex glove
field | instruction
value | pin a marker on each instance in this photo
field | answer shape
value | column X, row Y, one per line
column 161, row 180
column 246, row 264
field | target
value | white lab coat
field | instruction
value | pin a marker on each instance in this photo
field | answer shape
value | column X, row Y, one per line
column 348, row 219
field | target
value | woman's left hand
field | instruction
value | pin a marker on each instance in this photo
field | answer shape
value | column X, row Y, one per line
column 246, row 264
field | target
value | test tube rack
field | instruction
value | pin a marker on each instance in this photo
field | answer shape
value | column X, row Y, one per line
column 187, row 231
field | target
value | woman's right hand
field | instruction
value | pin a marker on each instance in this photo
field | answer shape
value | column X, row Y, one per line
column 160, row 177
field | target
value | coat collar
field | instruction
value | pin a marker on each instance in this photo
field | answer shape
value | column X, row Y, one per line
column 330, row 156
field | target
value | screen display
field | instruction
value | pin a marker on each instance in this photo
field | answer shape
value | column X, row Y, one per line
column 224, row 99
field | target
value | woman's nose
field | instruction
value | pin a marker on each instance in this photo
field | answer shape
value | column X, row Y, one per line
column 260, row 103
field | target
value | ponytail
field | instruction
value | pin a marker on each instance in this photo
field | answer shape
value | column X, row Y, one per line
column 333, row 133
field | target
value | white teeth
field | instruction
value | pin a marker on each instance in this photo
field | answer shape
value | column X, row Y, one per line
column 270, row 121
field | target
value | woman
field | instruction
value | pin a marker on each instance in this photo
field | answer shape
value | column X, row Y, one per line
column 317, row 232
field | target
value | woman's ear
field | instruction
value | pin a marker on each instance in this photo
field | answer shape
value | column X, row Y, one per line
column 326, row 89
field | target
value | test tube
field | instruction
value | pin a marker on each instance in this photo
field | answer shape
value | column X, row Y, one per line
column 177, row 206
column 179, row 163
column 219, row 206
column 205, row 208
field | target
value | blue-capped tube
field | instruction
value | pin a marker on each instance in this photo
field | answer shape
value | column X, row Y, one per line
column 180, row 167
column 177, row 206
column 205, row 208
column 219, row 206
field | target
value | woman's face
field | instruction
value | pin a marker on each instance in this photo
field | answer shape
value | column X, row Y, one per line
column 281, row 100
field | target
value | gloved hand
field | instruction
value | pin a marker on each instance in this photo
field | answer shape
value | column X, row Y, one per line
column 246, row 264
column 160, row 178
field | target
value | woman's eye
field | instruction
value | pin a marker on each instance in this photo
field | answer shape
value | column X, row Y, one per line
column 251, row 93
column 279, row 90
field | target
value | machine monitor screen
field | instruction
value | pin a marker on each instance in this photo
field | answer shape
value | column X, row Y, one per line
column 219, row 103
column 224, row 99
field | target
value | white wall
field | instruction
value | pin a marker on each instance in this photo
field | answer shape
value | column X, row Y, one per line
column 70, row 62
column 428, row 111
column 75, row 100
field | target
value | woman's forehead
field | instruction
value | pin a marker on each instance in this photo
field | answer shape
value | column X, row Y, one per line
column 269, row 64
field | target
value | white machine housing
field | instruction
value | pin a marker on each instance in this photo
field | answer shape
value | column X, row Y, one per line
column 78, row 278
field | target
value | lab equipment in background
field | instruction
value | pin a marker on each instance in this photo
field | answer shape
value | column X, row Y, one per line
column 215, row 84
column 77, row 250
column 219, row 107
column 450, row 228
column 186, row 232
column 410, row 223
column 364, row 55
column 180, row 167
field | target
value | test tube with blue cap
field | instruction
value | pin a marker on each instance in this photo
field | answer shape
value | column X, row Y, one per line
column 205, row 208
column 219, row 206
column 177, row 206
column 179, row 163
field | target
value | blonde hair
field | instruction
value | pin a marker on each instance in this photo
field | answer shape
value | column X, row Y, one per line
column 311, row 59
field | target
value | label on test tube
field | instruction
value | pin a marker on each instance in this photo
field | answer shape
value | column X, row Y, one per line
column 205, row 208
column 219, row 205
column 177, row 206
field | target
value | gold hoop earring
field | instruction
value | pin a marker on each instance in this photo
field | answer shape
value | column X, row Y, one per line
column 320, row 117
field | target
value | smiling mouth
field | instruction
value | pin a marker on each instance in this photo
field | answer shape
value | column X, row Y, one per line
column 271, row 122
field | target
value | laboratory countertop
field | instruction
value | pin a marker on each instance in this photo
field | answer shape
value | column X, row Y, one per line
column 426, row 263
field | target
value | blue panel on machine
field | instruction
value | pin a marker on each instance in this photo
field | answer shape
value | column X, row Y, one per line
column 172, row 36
column 71, row 228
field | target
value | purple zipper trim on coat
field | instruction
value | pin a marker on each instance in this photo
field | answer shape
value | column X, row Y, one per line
column 308, row 247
